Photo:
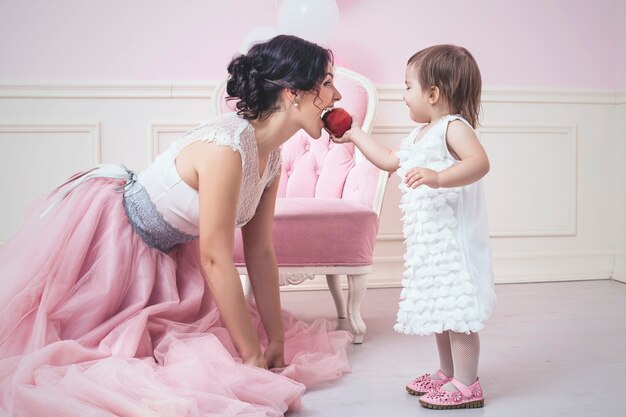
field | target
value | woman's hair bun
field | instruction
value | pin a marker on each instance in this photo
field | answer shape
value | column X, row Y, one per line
column 257, row 78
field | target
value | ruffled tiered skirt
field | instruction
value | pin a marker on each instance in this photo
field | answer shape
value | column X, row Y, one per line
column 93, row 322
column 446, row 285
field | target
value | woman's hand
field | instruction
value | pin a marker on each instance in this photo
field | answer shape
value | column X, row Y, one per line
column 422, row 176
column 263, row 272
column 257, row 360
column 275, row 355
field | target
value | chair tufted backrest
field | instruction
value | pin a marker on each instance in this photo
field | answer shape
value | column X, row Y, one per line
column 319, row 168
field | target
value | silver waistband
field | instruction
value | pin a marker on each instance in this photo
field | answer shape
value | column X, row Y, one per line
column 149, row 223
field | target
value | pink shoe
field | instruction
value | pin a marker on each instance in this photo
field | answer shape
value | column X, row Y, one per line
column 423, row 384
column 465, row 397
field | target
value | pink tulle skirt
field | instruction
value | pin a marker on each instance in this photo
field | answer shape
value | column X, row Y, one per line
column 93, row 322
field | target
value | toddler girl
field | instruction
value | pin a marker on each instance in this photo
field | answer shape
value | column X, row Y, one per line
column 448, row 283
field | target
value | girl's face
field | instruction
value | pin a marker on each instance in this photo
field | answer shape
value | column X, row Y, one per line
column 312, row 103
column 417, row 100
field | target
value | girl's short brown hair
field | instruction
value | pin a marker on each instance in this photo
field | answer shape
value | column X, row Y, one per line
column 454, row 71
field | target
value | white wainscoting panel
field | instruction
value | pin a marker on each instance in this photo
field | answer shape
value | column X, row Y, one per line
column 532, row 189
column 164, row 134
column 35, row 158
column 556, row 206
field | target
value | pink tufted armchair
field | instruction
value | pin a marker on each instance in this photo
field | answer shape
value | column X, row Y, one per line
column 330, row 196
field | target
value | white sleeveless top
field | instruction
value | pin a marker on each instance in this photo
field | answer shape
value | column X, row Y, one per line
column 448, row 281
column 179, row 202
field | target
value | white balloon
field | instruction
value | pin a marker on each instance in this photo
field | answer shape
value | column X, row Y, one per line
column 314, row 20
column 256, row 35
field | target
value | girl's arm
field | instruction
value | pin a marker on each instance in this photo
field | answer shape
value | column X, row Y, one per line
column 463, row 145
column 263, row 272
column 377, row 153
column 219, row 177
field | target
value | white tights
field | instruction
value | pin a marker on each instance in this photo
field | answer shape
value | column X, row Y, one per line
column 458, row 355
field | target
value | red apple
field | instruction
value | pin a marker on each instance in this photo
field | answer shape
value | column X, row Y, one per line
column 337, row 121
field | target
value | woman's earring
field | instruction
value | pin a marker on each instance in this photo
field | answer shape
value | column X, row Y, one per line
column 295, row 102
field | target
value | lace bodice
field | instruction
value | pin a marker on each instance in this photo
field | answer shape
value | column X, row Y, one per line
column 179, row 203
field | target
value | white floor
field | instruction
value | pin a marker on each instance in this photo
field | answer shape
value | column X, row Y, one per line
column 550, row 349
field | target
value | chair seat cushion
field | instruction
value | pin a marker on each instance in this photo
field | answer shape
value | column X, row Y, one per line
column 320, row 232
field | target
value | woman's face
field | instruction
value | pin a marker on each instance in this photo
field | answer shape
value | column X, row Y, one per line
column 312, row 103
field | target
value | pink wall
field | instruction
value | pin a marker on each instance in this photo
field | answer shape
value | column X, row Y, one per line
column 531, row 43
column 620, row 81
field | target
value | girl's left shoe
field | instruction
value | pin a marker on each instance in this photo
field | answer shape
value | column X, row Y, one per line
column 423, row 384
column 465, row 397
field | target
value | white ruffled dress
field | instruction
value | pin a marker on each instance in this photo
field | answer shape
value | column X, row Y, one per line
column 448, row 280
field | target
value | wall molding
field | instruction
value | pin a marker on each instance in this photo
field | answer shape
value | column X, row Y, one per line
column 86, row 90
column 526, row 95
column 553, row 266
column 107, row 89
column 390, row 237
column 571, row 132
column 193, row 89
column 549, row 95
column 204, row 89
column 91, row 129
column 157, row 129
column 392, row 129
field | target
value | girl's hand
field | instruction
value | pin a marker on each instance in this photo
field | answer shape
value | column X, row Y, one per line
column 422, row 176
column 344, row 139
column 275, row 355
column 347, row 137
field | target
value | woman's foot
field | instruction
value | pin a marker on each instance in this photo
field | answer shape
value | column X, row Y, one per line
column 464, row 397
column 425, row 383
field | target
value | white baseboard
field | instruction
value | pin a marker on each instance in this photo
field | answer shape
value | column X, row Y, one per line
column 619, row 271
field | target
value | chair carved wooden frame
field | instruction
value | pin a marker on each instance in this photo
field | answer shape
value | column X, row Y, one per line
column 327, row 213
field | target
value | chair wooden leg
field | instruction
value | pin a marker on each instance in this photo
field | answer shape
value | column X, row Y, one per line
column 334, row 285
column 245, row 284
column 357, row 284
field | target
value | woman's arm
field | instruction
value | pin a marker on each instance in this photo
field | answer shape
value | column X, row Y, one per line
column 219, row 177
column 263, row 272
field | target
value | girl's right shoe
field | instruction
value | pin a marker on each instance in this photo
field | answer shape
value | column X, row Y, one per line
column 423, row 384
column 464, row 397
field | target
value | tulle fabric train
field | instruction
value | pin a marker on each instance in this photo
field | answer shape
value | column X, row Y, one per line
column 93, row 322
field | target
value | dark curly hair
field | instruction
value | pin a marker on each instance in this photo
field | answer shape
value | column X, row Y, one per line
column 257, row 78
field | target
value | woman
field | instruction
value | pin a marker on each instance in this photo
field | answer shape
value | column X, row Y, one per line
column 119, row 295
